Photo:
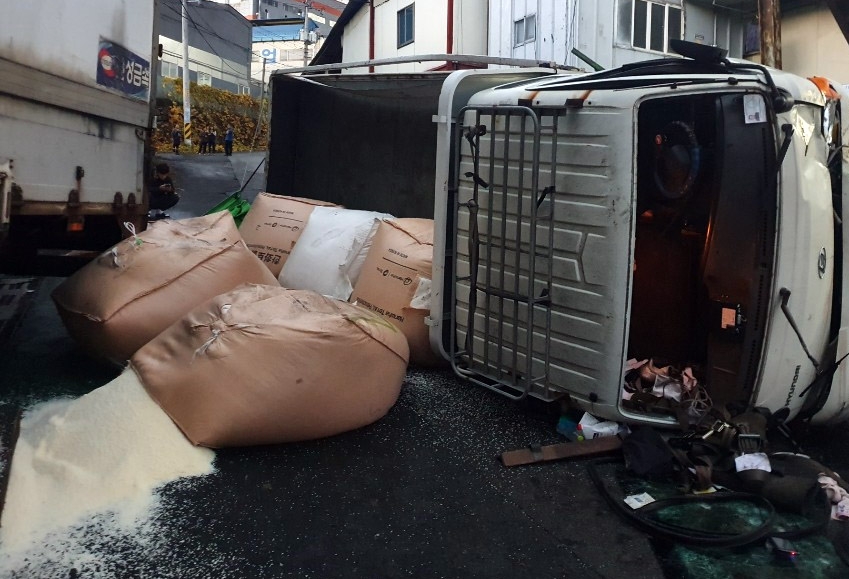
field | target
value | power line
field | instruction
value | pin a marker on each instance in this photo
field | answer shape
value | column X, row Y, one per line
column 212, row 32
column 211, row 49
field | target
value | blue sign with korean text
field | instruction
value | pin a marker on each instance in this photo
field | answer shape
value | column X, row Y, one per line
column 122, row 70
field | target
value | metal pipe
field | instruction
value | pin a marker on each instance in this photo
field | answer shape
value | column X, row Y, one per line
column 449, row 48
column 307, row 33
column 371, row 34
column 458, row 58
column 595, row 66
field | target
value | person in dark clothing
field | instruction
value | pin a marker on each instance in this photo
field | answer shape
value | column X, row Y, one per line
column 162, row 193
column 202, row 142
column 228, row 141
column 176, row 138
column 213, row 137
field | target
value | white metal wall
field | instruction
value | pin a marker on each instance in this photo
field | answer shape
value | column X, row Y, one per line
column 431, row 31
column 355, row 38
column 51, row 142
column 62, row 37
column 470, row 26
column 560, row 25
column 598, row 28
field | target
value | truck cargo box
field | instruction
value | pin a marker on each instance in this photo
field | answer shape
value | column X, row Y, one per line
column 75, row 116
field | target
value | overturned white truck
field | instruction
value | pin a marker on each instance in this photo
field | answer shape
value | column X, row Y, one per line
column 685, row 210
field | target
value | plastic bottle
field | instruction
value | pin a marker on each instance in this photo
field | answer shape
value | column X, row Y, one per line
column 566, row 427
column 579, row 433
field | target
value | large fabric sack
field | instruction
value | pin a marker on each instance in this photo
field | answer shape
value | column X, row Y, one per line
column 263, row 365
column 273, row 225
column 143, row 284
column 395, row 281
column 331, row 250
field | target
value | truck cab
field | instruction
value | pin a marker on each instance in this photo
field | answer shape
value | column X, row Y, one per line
column 683, row 214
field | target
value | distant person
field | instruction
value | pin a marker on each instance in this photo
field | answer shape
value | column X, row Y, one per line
column 162, row 193
column 176, row 139
column 228, row 141
column 202, row 142
column 213, row 137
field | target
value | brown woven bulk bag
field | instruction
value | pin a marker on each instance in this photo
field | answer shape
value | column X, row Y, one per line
column 273, row 225
column 145, row 283
column 395, row 282
column 263, row 365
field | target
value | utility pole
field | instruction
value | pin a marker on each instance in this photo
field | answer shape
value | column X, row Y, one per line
column 187, row 103
column 769, row 17
column 307, row 4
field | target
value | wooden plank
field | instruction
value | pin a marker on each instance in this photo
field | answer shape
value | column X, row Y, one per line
column 564, row 450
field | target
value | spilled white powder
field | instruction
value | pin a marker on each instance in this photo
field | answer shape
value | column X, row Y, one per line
column 102, row 454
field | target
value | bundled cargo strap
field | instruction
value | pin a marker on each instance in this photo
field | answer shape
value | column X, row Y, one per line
column 564, row 450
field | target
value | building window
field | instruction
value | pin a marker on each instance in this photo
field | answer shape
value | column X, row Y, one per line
column 525, row 30
column 406, row 25
column 654, row 24
column 169, row 69
column 204, row 78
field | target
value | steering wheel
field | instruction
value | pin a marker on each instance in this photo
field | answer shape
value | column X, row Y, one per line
column 677, row 161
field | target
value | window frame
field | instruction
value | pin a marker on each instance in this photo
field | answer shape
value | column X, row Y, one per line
column 204, row 78
column 523, row 21
column 410, row 35
column 169, row 65
column 648, row 33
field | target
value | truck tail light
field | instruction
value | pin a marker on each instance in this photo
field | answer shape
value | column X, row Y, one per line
column 76, row 224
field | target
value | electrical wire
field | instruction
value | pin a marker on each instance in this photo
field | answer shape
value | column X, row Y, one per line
column 208, row 43
column 211, row 32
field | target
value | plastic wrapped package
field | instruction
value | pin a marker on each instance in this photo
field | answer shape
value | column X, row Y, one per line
column 331, row 250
